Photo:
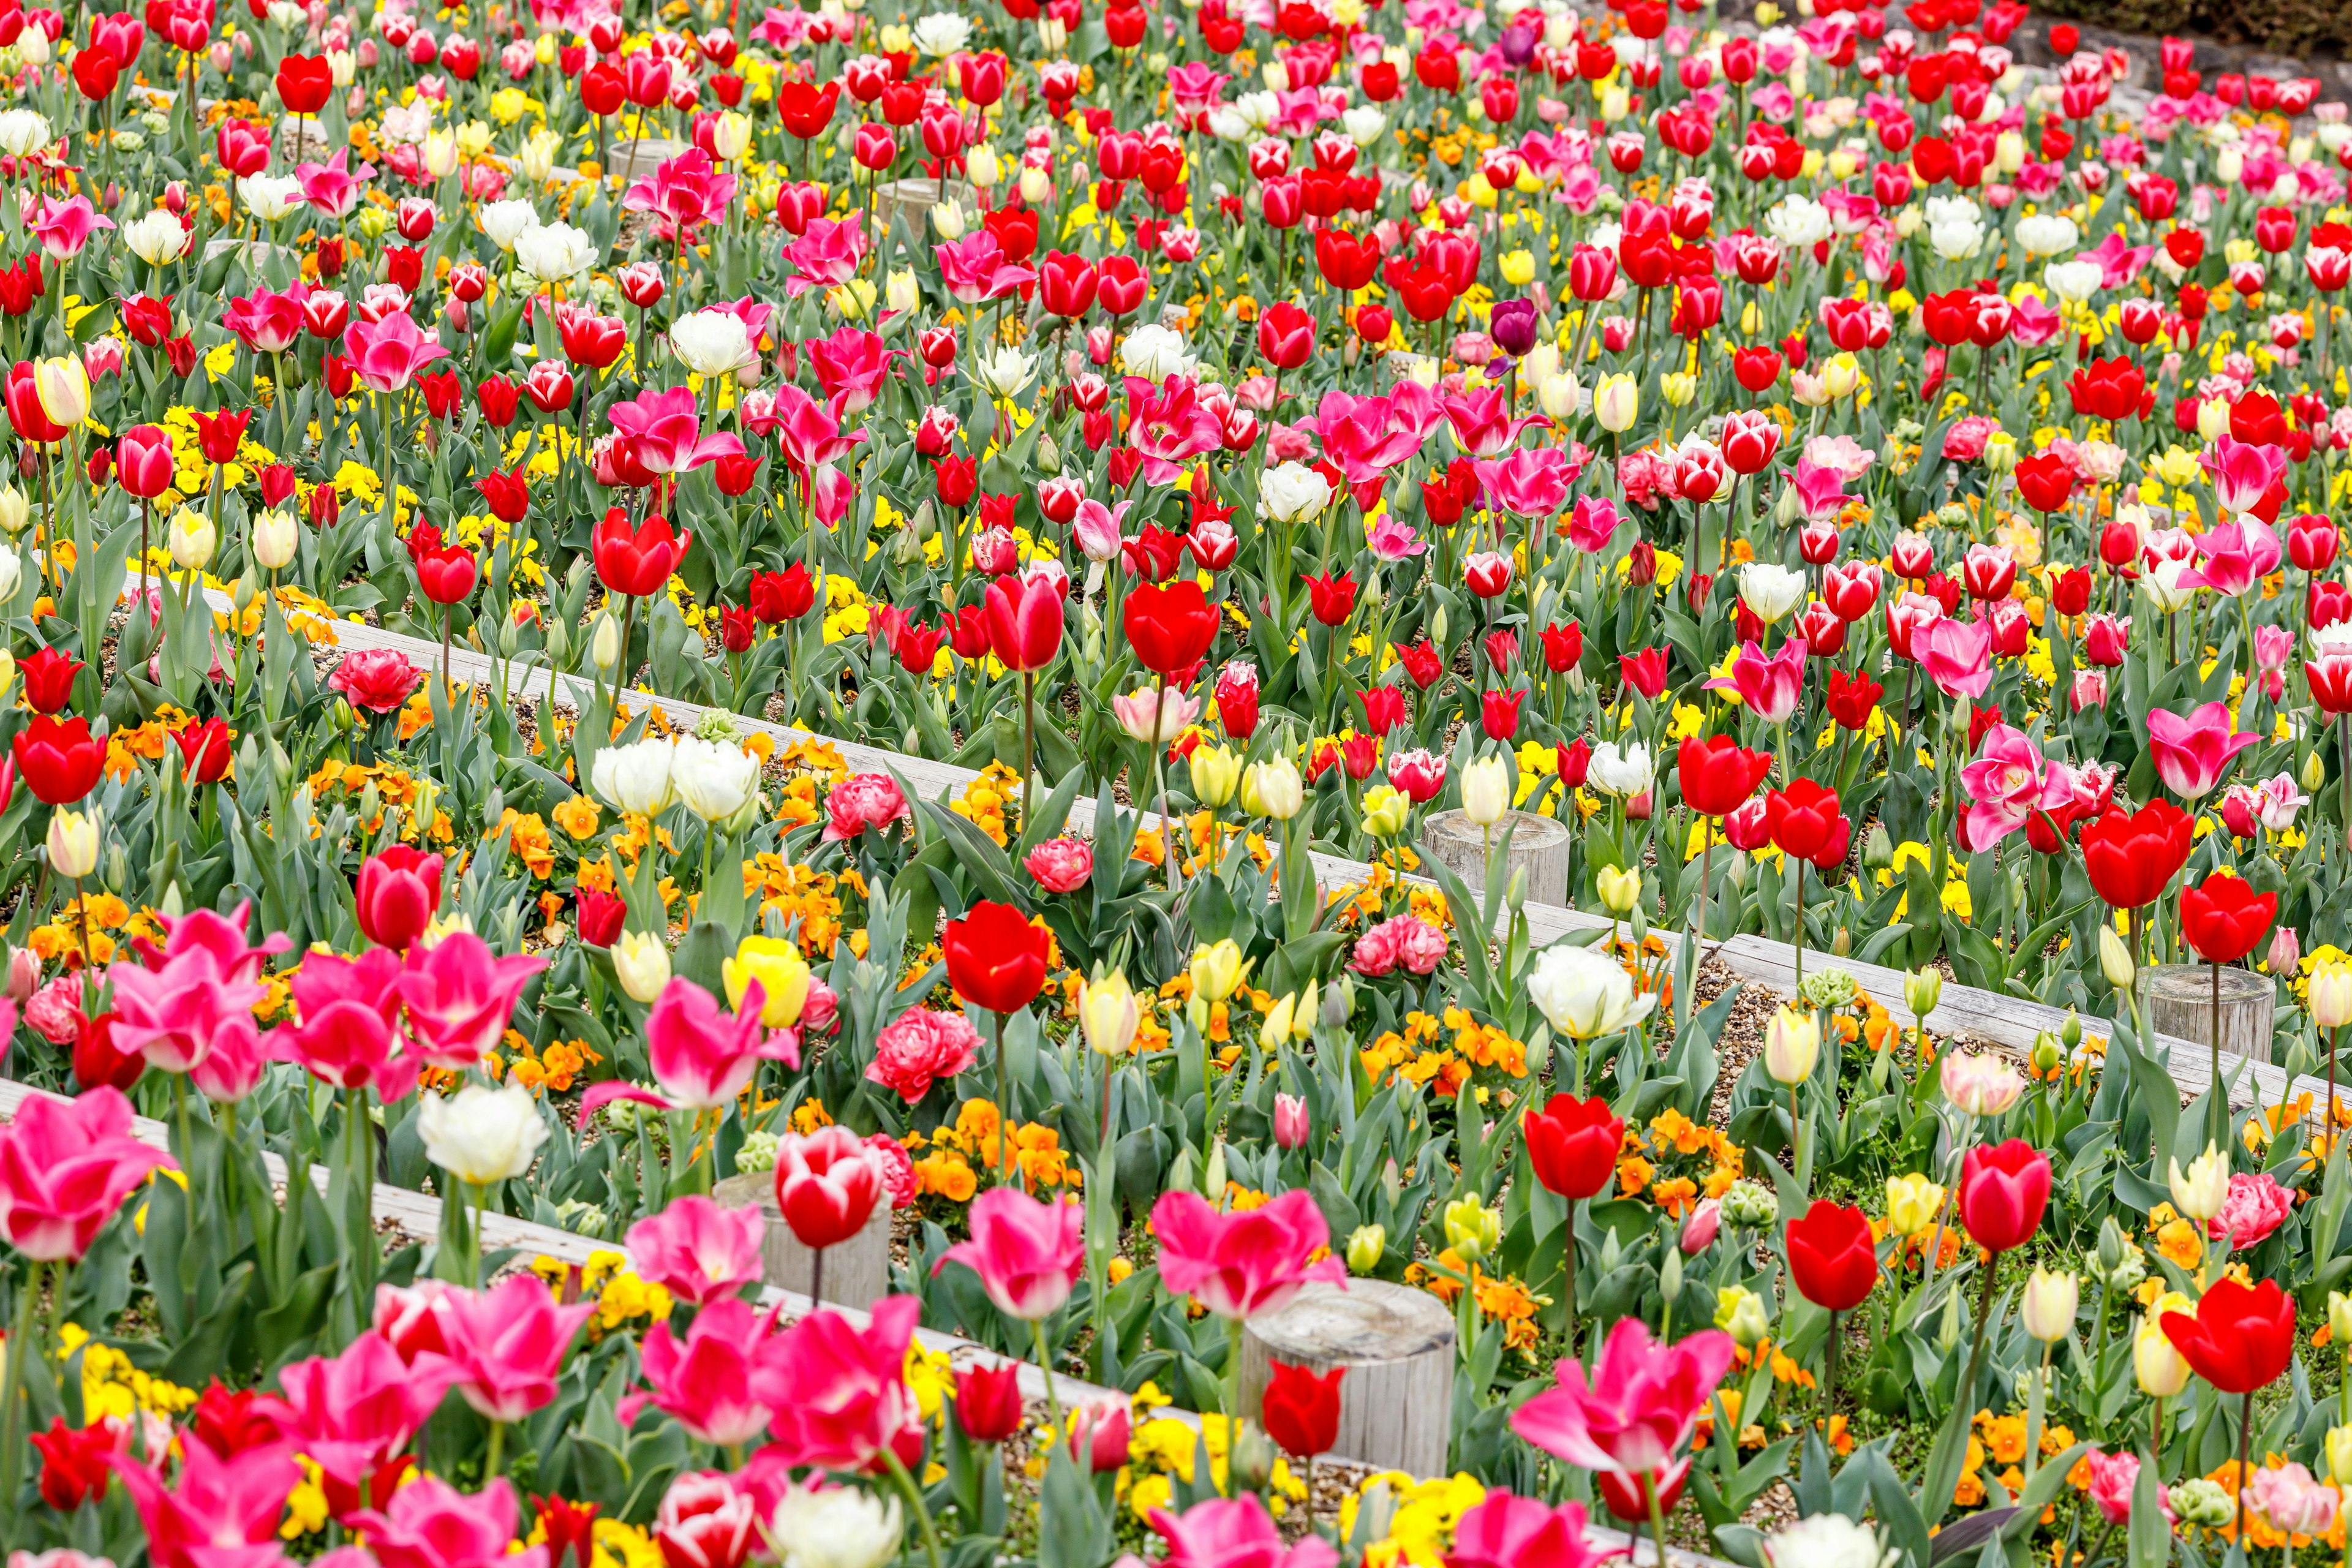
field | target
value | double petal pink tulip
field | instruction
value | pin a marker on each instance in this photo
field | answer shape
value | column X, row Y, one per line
column 1526, row 482
column 665, row 431
column 1027, row 1253
column 508, row 1343
column 851, row 365
column 66, row 1165
column 460, row 997
column 1593, row 524
column 219, row 1509
column 2007, row 783
column 347, row 1035
column 840, row 1392
column 1507, row 1531
column 1957, row 655
column 825, row 255
column 428, row 1523
column 194, row 995
column 1240, row 1264
column 1639, row 1406
column 386, row 355
column 268, row 321
column 697, row 1250
column 974, row 268
column 1769, row 687
column 2192, row 754
column 707, row 1379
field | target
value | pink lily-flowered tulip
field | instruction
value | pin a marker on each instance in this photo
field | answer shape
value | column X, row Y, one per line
column 65, row 1167
column 1224, row 1532
column 1507, row 1531
column 840, row 1392
column 64, row 227
column 2242, row 472
column 1239, row 1264
column 1957, row 655
column 347, row 1038
column 460, row 997
column 348, row 1413
column 2007, row 783
column 827, row 1183
column 1819, row 489
column 1027, row 1253
column 665, row 431
column 218, row 1507
column 975, row 269
column 333, row 188
column 826, row 255
column 699, row 1249
column 684, row 193
column 508, row 1343
column 428, row 1523
column 1366, row 436
column 2192, row 754
column 1482, row 421
column 1638, row 1407
column 1530, row 482
column 851, row 365
column 386, row 355
column 808, row 429
column 1769, row 687
column 701, row 1054
column 2233, row 557
column 706, row 1379
column 1169, row 425
column 200, row 990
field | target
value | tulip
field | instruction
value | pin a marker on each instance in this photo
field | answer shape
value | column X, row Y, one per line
column 1585, row 995
column 1572, row 1144
column 2200, row 1192
column 2159, row 1369
column 482, row 1135
column 1639, row 1405
column 2004, row 1188
column 704, row 1379
column 780, row 973
column 988, row 1404
column 698, row 1250
column 2051, row 1302
column 828, row 1184
column 1028, row 1254
column 1621, row 890
column 1486, row 791
column 73, row 844
column 1793, row 1043
column 506, row 1344
column 1240, row 1264
column 1300, row 1409
column 641, row 963
column 1833, row 1262
column 1912, row 1204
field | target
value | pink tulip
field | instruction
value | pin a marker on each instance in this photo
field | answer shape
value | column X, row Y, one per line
column 665, row 431
column 975, row 269
column 197, row 991
column 1481, row 421
column 1097, row 529
column 2242, row 473
column 1700, row 1229
column 386, row 355
column 706, row 1520
column 684, row 193
column 508, row 1343
column 701, row 1054
column 1769, row 687
column 827, row 1183
column 840, row 1392
column 1593, row 524
column 460, row 997
column 2007, row 783
column 1234, row 1533
column 699, row 1250
column 1526, row 483
column 1027, row 1253
column 1291, row 1121
column 333, row 188
column 807, row 430
column 1366, row 436
column 1101, row 1435
column 825, row 255
column 706, row 1380
column 1820, row 491
column 409, row 1317
column 268, row 321
column 346, row 1037
column 2234, row 556
column 1061, row 865
column 351, row 1413
column 1507, row 1531
column 851, row 365
column 66, row 1165
column 2192, row 754
column 64, row 227
column 428, row 1523
column 1239, row 1264
column 217, row 1509
column 1639, row 1408
column 2114, row 1477
column 1957, row 655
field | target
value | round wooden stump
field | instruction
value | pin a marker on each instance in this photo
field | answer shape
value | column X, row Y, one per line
column 1541, row 843
column 638, row 158
column 857, row 1273
column 1396, row 1402
column 913, row 200
column 2179, row 1002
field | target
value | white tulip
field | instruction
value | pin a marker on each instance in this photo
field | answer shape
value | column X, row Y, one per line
column 1828, row 1540
column 1363, row 124
column 641, row 963
column 275, row 538
column 2047, row 234
column 1798, row 222
column 269, row 196
column 1291, row 492
column 712, row 342
column 820, row 1525
column 635, row 777
column 2073, row 280
column 481, row 1135
column 713, row 779
column 505, row 221
column 23, row 132
column 942, row 34
column 1585, row 995
column 1487, row 790
column 156, row 237
column 1154, row 353
column 1620, row 773
column 1006, row 371
column 554, row 252
column 1770, row 591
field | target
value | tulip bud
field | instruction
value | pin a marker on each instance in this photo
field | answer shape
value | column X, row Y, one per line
column 1388, row 811
column 1793, row 1043
column 2200, row 1192
column 2339, row 1455
column 2339, row 1318
column 2315, row 766
column 15, row 511
column 604, row 647
column 275, row 538
column 1741, row 1313
column 73, row 844
column 1913, row 1202
column 1751, row 1205
column 1366, row 1245
column 1472, row 1229
column 2047, row 1053
column 2051, row 1301
column 2159, row 1369
column 2116, row 960
column 1274, row 789
column 2284, row 952
column 1670, row 1274
column 1922, row 989
column 1621, row 890
column 1108, row 1014
column 1216, row 774
column 1218, row 970
column 642, row 964
column 1617, row 401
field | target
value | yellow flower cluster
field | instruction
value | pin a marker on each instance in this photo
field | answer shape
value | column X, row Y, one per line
column 111, row 1386
column 623, row 1300
column 1420, row 1525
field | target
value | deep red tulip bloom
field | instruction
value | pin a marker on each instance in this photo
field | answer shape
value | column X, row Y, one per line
column 1717, row 773
column 446, row 576
column 1804, row 820
column 1573, row 1144
column 638, row 562
column 988, row 1404
column 59, row 759
column 75, row 1459
column 2241, row 1337
column 598, row 916
column 219, row 434
column 305, row 82
column 206, row 750
column 780, row 596
column 1832, row 1257
column 2222, row 918
column 1024, row 622
column 398, row 894
column 2004, row 1188
column 1331, row 600
column 995, row 958
column 1286, row 336
column 2132, row 860
column 49, row 677
column 1301, row 1408
column 1169, row 626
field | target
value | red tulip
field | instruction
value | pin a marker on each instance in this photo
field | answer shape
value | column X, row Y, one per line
column 2222, row 918
column 398, row 894
column 636, row 562
column 828, row 1184
column 204, row 753
column 59, row 758
column 305, row 82
column 1301, row 1408
column 1805, row 821
column 598, row 916
column 1573, row 1143
column 1286, row 336
column 49, row 677
column 988, row 1403
column 1024, row 622
column 1170, row 626
column 445, row 574
column 1716, row 773
column 995, row 958
column 2241, row 1337
column 2132, row 860
column 1833, row 1258
column 2004, row 1191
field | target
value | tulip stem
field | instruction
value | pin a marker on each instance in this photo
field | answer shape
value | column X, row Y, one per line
column 2221, row 1101
column 1657, row 1514
column 1233, row 1423
column 1028, row 746
column 1045, row 1365
column 11, row 1380
column 1003, row 1103
column 1829, row 1388
column 816, row 1278
column 1967, row 1394
column 1568, row 1264
column 914, row 1494
column 2245, row 1437
column 497, row 1447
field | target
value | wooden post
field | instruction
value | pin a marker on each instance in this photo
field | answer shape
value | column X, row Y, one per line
column 1396, row 1402
column 2179, row 1002
column 1541, row 843
column 913, row 201
column 857, row 1273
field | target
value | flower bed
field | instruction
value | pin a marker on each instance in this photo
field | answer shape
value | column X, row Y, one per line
column 1168, row 641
